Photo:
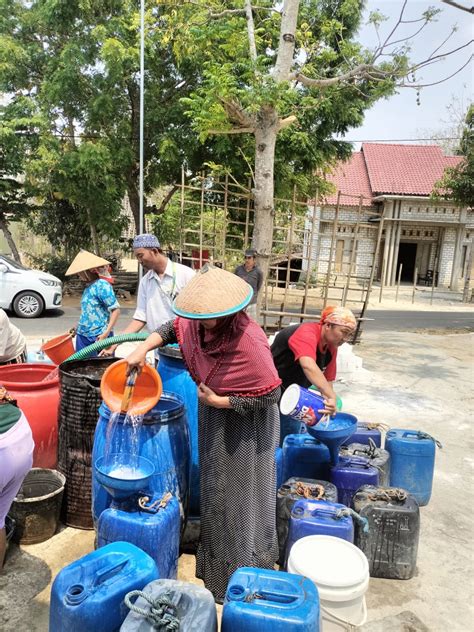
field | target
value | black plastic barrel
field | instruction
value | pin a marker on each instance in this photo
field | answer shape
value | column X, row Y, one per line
column 37, row 505
column 391, row 543
column 80, row 398
column 296, row 489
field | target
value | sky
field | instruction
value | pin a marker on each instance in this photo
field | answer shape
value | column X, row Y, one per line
column 399, row 117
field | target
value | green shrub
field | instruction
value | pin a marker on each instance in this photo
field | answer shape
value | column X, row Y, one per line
column 54, row 264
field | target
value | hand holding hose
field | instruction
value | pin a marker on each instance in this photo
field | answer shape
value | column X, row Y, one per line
column 136, row 360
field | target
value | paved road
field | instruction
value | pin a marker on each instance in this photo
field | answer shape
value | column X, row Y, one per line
column 59, row 321
column 408, row 321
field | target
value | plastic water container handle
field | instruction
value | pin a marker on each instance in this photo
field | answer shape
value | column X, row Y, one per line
column 109, row 571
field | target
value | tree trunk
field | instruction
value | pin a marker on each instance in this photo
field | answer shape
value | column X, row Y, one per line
column 9, row 238
column 95, row 239
column 134, row 199
column 265, row 139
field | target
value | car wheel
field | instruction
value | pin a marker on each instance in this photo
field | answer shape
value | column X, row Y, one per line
column 28, row 305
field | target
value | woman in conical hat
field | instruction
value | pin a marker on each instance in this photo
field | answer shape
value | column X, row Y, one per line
column 99, row 306
column 227, row 355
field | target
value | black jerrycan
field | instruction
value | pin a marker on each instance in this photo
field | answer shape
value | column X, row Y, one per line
column 391, row 543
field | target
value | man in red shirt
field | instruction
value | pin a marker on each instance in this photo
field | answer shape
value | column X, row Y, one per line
column 306, row 355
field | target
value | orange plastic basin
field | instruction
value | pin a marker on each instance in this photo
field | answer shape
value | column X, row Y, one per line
column 146, row 393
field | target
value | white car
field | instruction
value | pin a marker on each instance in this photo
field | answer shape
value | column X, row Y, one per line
column 27, row 292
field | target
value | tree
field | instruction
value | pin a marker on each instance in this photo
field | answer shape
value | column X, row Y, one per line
column 76, row 65
column 291, row 75
column 17, row 138
column 457, row 183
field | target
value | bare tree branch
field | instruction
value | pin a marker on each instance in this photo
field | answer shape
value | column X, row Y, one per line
column 458, row 6
column 397, row 24
column 286, row 46
column 286, row 122
column 435, row 83
column 251, row 30
column 360, row 71
column 233, row 130
column 236, row 113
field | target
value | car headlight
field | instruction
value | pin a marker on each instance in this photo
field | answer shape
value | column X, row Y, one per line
column 50, row 283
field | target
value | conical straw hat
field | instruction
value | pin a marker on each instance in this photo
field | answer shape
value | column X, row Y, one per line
column 85, row 260
column 213, row 293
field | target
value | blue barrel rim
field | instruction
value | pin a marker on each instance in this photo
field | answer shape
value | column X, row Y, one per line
column 151, row 417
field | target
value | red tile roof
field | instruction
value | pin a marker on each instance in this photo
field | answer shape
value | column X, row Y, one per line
column 352, row 179
column 390, row 169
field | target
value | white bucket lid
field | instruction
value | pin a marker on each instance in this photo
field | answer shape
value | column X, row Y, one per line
column 329, row 562
column 289, row 399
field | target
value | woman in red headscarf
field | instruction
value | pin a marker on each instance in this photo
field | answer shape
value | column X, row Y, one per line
column 229, row 358
column 306, row 355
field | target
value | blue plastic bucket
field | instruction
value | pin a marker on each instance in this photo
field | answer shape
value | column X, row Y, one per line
column 302, row 404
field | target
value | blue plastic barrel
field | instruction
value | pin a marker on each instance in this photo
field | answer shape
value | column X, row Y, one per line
column 412, row 462
column 163, row 438
column 177, row 379
column 305, row 457
column 258, row 600
column 88, row 594
column 351, row 473
column 195, row 607
column 153, row 528
column 316, row 517
column 364, row 433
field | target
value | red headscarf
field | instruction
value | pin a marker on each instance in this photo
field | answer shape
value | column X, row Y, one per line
column 234, row 358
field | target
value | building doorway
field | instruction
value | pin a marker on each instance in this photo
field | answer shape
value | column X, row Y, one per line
column 407, row 257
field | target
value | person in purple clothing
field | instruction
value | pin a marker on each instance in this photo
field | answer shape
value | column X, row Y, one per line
column 16, row 457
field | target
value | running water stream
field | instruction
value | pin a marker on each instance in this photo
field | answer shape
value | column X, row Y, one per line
column 122, row 446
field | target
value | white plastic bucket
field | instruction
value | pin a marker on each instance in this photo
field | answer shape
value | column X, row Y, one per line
column 341, row 573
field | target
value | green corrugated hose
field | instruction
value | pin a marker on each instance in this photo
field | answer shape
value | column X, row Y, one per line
column 83, row 354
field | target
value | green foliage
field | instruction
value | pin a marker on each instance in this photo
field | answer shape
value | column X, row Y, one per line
column 325, row 47
column 54, row 264
column 457, row 183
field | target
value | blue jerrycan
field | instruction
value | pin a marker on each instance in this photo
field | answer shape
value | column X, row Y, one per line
column 193, row 606
column 259, row 599
column 391, row 542
column 316, row 517
column 305, row 457
column 163, row 438
column 412, row 455
column 365, row 431
column 88, row 595
column 378, row 457
column 152, row 524
column 351, row 473
column 177, row 379
column 295, row 489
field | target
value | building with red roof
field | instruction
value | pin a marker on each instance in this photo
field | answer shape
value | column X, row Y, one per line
column 389, row 186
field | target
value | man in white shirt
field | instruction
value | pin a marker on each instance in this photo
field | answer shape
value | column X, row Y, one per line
column 158, row 288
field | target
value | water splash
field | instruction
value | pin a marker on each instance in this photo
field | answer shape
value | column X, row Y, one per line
column 122, row 442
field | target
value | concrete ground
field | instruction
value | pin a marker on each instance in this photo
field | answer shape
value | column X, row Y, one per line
column 408, row 380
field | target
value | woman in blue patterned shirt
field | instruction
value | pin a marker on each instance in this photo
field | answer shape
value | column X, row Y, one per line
column 99, row 306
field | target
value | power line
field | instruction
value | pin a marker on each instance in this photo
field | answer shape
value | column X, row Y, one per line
column 347, row 140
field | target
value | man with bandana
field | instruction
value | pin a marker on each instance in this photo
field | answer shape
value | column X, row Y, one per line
column 163, row 281
column 306, row 355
